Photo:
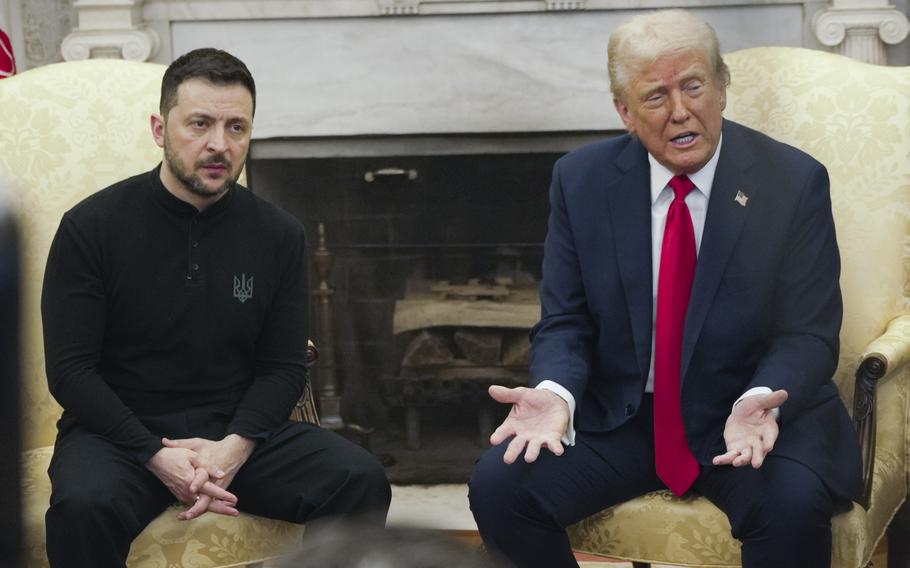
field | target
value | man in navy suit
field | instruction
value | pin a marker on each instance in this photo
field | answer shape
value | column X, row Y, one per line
column 689, row 330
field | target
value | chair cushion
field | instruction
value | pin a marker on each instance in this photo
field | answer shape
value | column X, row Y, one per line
column 206, row 542
column 661, row 528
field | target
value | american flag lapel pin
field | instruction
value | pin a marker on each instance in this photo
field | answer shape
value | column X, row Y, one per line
column 741, row 198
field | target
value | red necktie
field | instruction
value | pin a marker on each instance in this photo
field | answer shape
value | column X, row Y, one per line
column 676, row 466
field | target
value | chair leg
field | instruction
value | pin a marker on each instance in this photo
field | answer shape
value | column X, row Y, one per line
column 899, row 538
column 641, row 565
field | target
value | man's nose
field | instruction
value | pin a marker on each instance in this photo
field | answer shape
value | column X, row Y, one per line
column 678, row 110
column 216, row 140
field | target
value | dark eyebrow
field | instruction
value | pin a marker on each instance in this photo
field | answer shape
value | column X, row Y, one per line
column 199, row 115
column 205, row 116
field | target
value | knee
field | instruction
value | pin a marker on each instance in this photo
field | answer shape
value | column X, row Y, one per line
column 368, row 475
column 794, row 514
column 802, row 511
column 73, row 509
column 494, row 486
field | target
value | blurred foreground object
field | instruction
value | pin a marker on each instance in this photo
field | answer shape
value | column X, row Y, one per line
column 340, row 545
column 10, row 501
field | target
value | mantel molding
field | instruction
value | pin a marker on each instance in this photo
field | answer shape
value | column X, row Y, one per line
column 190, row 10
column 110, row 28
column 861, row 32
column 139, row 44
column 417, row 7
column 399, row 7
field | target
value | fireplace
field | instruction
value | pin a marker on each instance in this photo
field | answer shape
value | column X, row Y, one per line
column 400, row 225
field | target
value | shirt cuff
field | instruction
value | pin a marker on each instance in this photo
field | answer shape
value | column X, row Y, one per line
column 758, row 390
column 568, row 438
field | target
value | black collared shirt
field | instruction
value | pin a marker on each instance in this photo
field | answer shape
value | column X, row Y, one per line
column 151, row 307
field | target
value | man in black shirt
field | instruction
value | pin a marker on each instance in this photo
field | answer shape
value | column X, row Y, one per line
column 175, row 310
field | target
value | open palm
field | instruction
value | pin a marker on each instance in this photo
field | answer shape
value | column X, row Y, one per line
column 751, row 430
column 538, row 418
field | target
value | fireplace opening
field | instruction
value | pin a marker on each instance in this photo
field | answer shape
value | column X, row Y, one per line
column 447, row 234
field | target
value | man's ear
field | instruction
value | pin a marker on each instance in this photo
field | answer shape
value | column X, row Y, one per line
column 623, row 110
column 157, row 123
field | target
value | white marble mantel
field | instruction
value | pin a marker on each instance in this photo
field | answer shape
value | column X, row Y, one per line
column 328, row 68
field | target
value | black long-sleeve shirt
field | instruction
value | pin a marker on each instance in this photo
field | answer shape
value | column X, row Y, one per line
column 152, row 307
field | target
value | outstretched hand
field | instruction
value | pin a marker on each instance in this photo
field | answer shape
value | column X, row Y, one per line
column 751, row 430
column 538, row 418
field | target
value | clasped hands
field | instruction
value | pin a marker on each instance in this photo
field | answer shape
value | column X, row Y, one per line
column 198, row 471
column 539, row 418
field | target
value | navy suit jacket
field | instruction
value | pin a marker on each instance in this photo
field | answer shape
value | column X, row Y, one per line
column 765, row 309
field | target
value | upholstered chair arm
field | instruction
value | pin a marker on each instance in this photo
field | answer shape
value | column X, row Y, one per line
column 883, row 357
column 893, row 347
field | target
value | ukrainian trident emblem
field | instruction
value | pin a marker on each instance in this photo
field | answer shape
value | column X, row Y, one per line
column 243, row 288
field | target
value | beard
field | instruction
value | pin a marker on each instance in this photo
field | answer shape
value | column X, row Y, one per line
column 192, row 181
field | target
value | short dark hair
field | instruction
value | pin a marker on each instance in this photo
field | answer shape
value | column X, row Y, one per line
column 212, row 65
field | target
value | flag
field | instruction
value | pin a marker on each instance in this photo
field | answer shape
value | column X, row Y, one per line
column 7, row 61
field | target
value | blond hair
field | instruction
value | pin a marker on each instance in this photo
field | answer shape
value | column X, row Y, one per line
column 638, row 43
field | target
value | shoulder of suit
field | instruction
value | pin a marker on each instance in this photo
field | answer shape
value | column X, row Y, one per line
column 600, row 152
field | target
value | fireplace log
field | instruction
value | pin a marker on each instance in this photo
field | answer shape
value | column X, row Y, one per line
column 516, row 349
column 480, row 346
column 473, row 290
column 428, row 348
column 421, row 308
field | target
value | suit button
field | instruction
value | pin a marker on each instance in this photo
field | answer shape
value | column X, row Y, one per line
column 630, row 410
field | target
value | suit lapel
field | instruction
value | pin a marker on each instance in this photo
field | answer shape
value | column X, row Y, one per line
column 723, row 224
column 630, row 208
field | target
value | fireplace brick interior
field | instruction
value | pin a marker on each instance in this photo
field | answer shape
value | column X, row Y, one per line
column 444, row 225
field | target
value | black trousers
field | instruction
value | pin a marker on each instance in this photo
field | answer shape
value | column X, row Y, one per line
column 101, row 498
column 781, row 512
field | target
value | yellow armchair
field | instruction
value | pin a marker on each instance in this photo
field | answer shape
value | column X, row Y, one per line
column 854, row 118
column 66, row 131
